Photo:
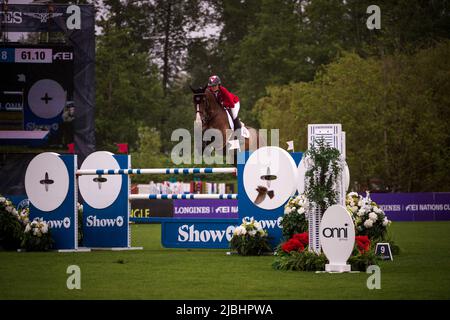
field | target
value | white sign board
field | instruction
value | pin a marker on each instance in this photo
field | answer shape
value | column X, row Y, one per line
column 337, row 237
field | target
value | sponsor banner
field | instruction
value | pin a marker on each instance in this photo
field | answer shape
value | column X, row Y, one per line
column 144, row 209
column 198, row 233
column 52, row 17
column 423, row 206
column 206, row 208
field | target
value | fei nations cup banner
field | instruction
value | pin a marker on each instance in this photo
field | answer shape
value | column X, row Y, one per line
column 420, row 206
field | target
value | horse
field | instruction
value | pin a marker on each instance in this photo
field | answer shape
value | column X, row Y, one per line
column 211, row 115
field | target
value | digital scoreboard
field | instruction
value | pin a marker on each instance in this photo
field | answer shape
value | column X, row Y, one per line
column 36, row 89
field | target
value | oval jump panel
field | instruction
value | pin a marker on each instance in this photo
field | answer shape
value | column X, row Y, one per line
column 46, row 181
column 100, row 191
column 270, row 177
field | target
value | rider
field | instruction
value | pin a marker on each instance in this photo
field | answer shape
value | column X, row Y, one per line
column 226, row 99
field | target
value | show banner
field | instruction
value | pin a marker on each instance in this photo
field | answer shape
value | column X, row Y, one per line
column 423, row 206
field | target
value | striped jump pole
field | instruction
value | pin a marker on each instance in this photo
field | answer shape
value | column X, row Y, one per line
column 182, row 196
column 156, row 171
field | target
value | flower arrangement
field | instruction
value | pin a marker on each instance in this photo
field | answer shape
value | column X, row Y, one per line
column 250, row 239
column 37, row 236
column 363, row 254
column 369, row 219
column 10, row 225
column 324, row 166
column 295, row 218
column 294, row 255
column 24, row 216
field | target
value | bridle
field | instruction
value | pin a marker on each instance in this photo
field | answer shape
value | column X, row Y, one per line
column 204, row 116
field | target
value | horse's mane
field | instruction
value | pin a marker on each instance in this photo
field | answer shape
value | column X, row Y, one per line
column 211, row 98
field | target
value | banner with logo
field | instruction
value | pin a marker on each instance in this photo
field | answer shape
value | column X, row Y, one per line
column 63, row 219
column 108, row 227
column 203, row 208
column 420, row 206
column 143, row 211
column 198, row 233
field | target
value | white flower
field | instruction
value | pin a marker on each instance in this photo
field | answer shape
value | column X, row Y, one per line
column 301, row 210
column 360, row 203
column 352, row 194
column 368, row 223
column 9, row 209
column 361, row 212
column 373, row 216
column 257, row 225
column 287, row 210
column 354, row 208
column 385, row 222
column 27, row 228
column 2, row 199
column 252, row 233
column 240, row 231
column 44, row 228
column 377, row 210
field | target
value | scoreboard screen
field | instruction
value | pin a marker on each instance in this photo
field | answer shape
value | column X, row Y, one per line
column 36, row 89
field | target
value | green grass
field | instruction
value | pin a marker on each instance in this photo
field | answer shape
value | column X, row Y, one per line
column 421, row 271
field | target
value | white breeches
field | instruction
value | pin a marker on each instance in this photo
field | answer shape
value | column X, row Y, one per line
column 235, row 110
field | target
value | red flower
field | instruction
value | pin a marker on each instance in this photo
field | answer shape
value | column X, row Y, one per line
column 302, row 237
column 362, row 243
column 292, row 245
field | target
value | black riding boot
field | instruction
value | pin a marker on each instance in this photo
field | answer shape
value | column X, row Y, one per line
column 237, row 124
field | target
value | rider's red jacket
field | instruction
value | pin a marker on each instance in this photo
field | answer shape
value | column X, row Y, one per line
column 226, row 98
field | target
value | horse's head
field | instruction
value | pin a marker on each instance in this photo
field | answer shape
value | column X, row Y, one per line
column 202, row 104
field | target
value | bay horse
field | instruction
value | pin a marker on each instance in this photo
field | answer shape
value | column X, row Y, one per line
column 211, row 115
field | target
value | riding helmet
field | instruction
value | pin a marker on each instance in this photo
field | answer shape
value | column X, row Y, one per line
column 213, row 81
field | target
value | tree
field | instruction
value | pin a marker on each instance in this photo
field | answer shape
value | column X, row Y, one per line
column 394, row 110
column 128, row 90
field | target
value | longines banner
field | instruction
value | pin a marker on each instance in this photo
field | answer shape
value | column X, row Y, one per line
column 423, row 206
column 203, row 208
column 20, row 18
column 195, row 208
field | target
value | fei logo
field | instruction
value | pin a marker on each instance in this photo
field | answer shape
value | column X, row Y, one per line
column 94, row 222
column 58, row 224
column 412, row 207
